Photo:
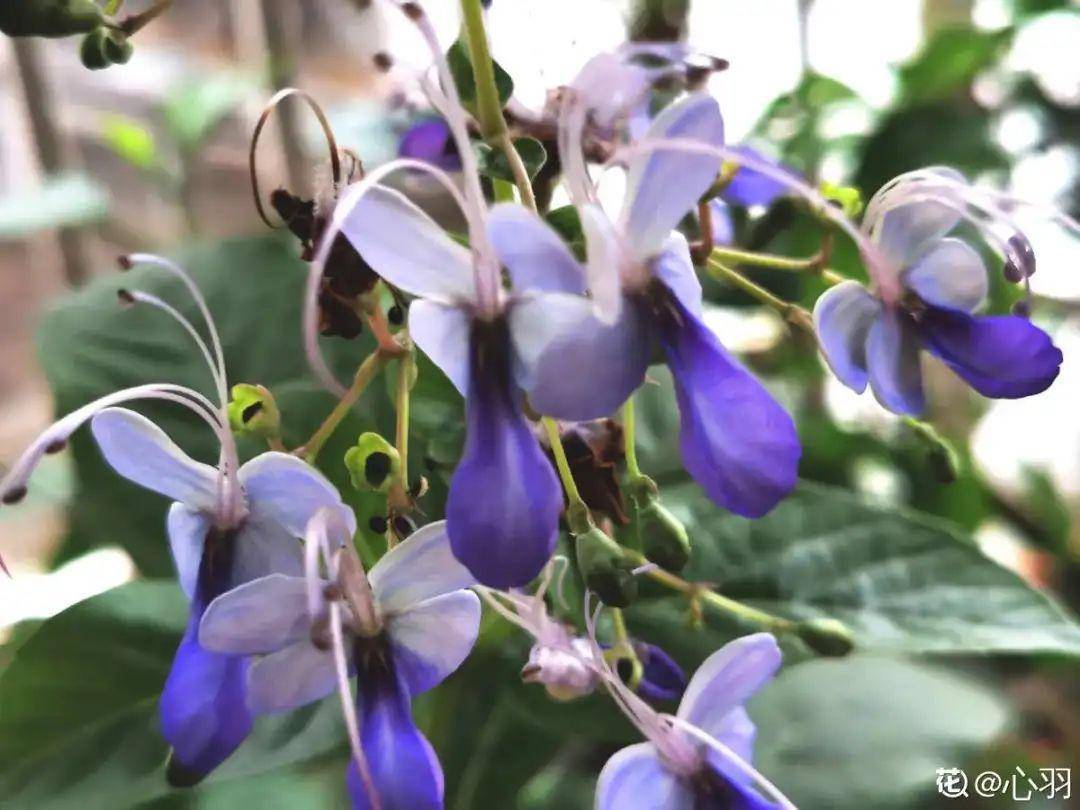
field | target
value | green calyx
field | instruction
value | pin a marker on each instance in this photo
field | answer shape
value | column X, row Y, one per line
column 49, row 18
column 605, row 569
column 827, row 637
column 664, row 539
column 373, row 463
column 103, row 47
column 254, row 412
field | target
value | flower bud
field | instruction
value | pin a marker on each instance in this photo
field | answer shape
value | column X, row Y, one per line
column 664, row 539
column 254, row 412
column 847, row 198
column 661, row 676
column 565, row 673
column 118, row 48
column 92, row 50
column 604, row 568
column 49, row 18
column 373, row 463
column 826, row 636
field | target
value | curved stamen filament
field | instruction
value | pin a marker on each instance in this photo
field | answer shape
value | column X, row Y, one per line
column 730, row 756
column 60, row 431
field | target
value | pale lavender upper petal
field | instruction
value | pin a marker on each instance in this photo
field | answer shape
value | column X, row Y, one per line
column 605, row 254
column 892, row 359
column 442, row 333
column 727, row 679
column 950, row 275
column 907, row 231
column 675, row 268
column 419, row 568
column 1000, row 356
column 286, row 490
column 737, row 441
column 141, row 452
column 264, row 547
column 843, row 316
column 407, row 247
column 532, row 252
column 587, row 371
column 432, row 638
column 187, row 530
column 292, row 677
column 723, row 227
column 635, row 779
column 664, row 185
column 257, row 617
column 535, row 321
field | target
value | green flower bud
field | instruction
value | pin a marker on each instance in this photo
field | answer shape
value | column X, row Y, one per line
column 118, row 48
column 826, row 637
column 49, row 18
column 604, row 568
column 92, row 50
column 373, row 463
column 254, row 412
column 847, row 197
column 664, row 539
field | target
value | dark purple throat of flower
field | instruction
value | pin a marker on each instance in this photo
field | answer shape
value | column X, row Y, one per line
column 504, row 502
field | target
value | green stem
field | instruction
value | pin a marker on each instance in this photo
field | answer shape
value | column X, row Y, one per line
column 405, row 367
column 488, row 108
column 364, row 375
column 629, row 439
column 562, row 464
column 792, row 313
column 812, row 264
column 720, row 603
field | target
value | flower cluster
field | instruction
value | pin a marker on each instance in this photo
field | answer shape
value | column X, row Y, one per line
column 542, row 335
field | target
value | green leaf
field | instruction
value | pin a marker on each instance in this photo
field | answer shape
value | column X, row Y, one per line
column 131, row 141
column 89, row 347
column 461, row 70
column 493, row 162
column 900, row 580
column 62, row 201
column 195, row 108
column 949, row 62
column 869, row 732
column 79, row 724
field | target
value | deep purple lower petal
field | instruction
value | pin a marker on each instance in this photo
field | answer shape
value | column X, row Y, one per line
column 502, row 512
column 430, row 141
column 736, row 440
column 1000, row 356
column 404, row 769
column 662, row 678
column 204, row 713
column 725, row 787
column 751, row 187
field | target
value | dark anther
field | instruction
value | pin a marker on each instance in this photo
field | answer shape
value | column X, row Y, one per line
column 395, row 315
column 124, row 262
column 383, row 61
column 13, row 496
column 1022, row 308
column 332, row 592
column 251, row 411
column 1023, row 259
column 54, row 447
column 418, row 488
column 403, row 526
column 179, row 775
column 378, row 524
column 125, row 297
column 625, row 668
column 413, row 11
column 376, row 468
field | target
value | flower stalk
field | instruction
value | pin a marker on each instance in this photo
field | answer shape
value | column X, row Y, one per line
column 371, row 366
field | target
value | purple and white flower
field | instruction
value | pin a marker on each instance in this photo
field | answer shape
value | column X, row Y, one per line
column 400, row 630
column 944, row 280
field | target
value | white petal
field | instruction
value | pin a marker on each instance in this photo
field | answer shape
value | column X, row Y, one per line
column 727, row 679
column 141, row 452
column 635, row 779
column 432, row 638
column 843, row 316
column 421, row 567
column 257, row 617
column 605, row 255
column 675, row 268
column 187, row 530
column 265, row 547
column 442, row 333
column 533, row 252
column 663, row 185
column 408, row 248
column 291, row 678
column 288, row 491
column 949, row 275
